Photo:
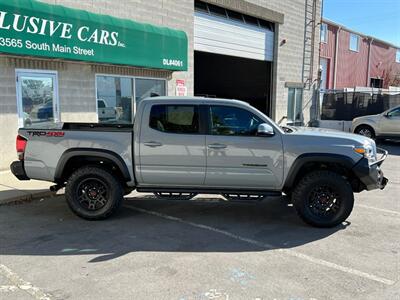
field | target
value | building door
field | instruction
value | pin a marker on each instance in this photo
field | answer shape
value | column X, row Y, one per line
column 37, row 98
column 233, row 55
column 324, row 73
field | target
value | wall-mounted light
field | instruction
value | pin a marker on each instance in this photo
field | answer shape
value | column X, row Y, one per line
column 283, row 42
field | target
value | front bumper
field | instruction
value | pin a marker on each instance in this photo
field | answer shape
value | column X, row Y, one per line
column 17, row 168
column 370, row 174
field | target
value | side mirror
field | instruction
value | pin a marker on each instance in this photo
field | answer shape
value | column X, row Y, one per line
column 265, row 130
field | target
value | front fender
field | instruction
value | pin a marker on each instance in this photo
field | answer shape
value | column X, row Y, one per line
column 306, row 158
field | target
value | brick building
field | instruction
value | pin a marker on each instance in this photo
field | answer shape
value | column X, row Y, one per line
column 350, row 59
column 94, row 60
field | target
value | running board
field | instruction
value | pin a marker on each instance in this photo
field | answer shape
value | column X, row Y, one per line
column 208, row 191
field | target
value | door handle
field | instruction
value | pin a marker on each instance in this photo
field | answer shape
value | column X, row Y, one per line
column 152, row 144
column 217, row 146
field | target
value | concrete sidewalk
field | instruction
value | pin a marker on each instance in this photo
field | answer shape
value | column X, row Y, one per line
column 13, row 190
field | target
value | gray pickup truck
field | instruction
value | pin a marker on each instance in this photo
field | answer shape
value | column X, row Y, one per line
column 199, row 145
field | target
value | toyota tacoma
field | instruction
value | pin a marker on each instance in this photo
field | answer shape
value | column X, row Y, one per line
column 189, row 145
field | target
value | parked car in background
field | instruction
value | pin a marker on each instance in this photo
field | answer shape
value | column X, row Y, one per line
column 45, row 112
column 381, row 126
column 105, row 113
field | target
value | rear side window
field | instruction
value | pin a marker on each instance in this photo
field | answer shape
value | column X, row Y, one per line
column 183, row 119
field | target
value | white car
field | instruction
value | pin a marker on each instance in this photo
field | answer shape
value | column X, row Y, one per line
column 105, row 112
column 382, row 126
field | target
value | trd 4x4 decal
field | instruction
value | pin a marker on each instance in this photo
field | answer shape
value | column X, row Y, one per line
column 47, row 133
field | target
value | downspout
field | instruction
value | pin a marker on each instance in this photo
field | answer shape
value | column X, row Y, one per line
column 369, row 60
column 336, row 55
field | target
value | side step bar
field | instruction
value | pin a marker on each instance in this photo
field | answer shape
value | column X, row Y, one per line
column 207, row 191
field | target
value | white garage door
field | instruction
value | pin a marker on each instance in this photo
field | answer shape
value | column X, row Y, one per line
column 221, row 35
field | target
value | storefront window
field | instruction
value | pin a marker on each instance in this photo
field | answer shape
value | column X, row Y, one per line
column 149, row 88
column 114, row 99
column 36, row 99
column 115, row 96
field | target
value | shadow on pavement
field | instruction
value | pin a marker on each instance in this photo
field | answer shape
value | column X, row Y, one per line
column 49, row 228
column 390, row 145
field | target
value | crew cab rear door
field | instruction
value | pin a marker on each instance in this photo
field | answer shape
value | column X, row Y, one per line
column 171, row 145
column 236, row 156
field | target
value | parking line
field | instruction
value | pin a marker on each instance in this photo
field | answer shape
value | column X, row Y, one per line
column 379, row 209
column 23, row 285
column 269, row 247
column 8, row 288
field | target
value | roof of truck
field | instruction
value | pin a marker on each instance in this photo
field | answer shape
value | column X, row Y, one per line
column 200, row 99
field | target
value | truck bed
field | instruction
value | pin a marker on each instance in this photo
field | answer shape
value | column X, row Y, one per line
column 47, row 146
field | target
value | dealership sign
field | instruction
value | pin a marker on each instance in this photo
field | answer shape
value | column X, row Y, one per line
column 29, row 27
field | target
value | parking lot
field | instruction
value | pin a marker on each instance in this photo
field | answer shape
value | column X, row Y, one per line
column 203, row 249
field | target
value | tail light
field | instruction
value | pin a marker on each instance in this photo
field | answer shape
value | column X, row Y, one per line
column 20, row 145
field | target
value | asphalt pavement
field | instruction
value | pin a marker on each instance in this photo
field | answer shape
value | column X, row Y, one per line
column 203, row 249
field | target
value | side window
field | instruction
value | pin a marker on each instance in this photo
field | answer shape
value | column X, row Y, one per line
column 183, row 119
column 354, row 42
column 227, row 120
column 324, row 33
column 394, row 112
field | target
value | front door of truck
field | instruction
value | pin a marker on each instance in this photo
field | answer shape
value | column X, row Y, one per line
column 236, row 156
column 172, row 149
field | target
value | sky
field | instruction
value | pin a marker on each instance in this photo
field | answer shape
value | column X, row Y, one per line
column 377, row 18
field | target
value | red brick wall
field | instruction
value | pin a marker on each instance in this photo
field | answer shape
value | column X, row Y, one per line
column 352, row 67
column 383, row 61
column 328, row 51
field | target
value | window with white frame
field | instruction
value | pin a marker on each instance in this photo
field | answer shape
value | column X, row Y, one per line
column 37, row 98
column 324, row 33
column 118, row 96
column 354, row 42
column 398, row 55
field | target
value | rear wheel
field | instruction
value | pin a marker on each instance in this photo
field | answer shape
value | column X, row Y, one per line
column 365, row 130
column 323, row 199
column 93, row 193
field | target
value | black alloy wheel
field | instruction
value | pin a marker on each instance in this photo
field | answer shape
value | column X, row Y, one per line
column 94, row 193
column 323, row 198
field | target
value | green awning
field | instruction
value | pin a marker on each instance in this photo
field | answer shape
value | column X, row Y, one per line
column 33, row 28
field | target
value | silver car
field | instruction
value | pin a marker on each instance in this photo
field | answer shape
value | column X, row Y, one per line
column 382, row 126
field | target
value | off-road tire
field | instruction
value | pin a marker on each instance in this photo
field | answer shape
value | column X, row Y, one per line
column 112, row 186
column 362, row 129
column 303, row 194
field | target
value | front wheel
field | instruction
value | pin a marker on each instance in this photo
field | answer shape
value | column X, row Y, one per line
column 365, row 130
column 323, row 199
column 93, row 193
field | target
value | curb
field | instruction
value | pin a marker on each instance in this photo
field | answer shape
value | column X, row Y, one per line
column 27, row 198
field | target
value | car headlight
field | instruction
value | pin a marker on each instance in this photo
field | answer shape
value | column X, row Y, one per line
column 367, row 150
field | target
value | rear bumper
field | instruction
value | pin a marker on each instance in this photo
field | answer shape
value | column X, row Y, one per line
column 17, row 168
column 371, row 175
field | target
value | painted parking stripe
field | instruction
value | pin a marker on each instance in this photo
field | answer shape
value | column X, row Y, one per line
column 270, row 247
column 379, row 209
column 22, row 284
column 8, row 288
